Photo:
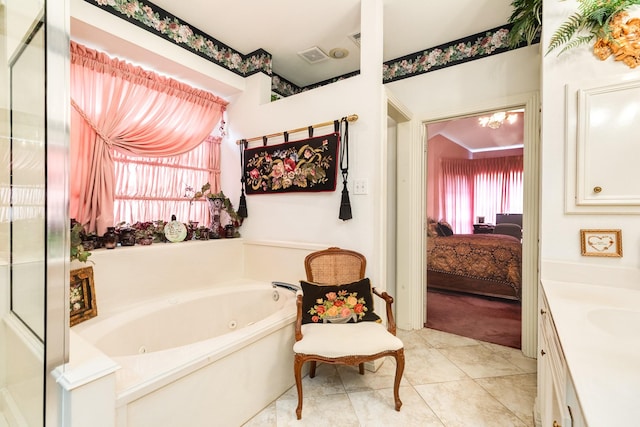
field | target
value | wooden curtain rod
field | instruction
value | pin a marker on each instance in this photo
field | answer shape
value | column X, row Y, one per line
column 350, row 118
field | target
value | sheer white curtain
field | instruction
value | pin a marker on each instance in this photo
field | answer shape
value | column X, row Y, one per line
column 149, row 189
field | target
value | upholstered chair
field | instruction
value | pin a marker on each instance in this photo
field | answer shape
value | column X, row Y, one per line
column 363, row 339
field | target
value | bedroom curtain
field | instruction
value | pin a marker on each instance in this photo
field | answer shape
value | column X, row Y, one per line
column 118, row 107
column 456, row 194
column 480, row 187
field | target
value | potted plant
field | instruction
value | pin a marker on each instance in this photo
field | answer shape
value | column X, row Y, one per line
column 77, row 249
column 527, row 21
column 218, row 202
column 144, row 232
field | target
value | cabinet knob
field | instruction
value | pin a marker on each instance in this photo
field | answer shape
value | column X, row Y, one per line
column 555, row 424
column 597, row 189
column 542, row 352
column 543, row 311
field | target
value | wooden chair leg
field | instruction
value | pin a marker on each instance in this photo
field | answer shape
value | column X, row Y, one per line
column 297, row 373
column 361, row 368
column 312, row 369
column 399, row 371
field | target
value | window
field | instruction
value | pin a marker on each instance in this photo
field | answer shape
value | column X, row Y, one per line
column 150, row 189
column 480, row 187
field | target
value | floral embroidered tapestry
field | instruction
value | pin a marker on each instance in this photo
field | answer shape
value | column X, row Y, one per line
column 308, row 165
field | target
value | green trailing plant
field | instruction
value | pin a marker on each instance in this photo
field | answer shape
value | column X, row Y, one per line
column 205, row 191
column 592, row 21
column 526, row 20
column 77, row 250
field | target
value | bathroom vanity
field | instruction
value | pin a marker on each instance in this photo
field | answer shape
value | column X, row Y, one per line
column 589, row 348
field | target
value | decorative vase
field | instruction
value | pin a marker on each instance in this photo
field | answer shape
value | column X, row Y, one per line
column 127, row 237
column 110, row 238
column 202, row 233
column 215, row 210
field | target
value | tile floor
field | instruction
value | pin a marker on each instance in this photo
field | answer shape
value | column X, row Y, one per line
column 448, row 381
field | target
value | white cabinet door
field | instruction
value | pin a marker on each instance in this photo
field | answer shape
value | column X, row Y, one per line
column 603, row 146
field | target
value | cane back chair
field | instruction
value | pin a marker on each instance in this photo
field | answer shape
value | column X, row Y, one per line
column 348, row 343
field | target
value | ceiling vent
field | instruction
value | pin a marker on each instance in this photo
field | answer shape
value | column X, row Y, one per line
column 355, row 38
column 313, row 55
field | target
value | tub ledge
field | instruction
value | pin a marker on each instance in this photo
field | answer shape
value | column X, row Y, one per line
column 87, row 385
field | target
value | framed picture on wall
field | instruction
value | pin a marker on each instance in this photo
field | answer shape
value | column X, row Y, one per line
column 605, row 243
column 82, row 296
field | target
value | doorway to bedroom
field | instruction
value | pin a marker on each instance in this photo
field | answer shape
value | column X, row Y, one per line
column 474, row 202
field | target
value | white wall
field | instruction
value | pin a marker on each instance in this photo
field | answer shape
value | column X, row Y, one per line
column 470, row 86
column 560, row 243
column 313, row 217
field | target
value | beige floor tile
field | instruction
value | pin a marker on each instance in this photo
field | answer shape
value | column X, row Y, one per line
column 266, row 418
column 326, row 382
column 448, row 381
column 515, row 356
column 376, row 408
column 516, row 392
column 465, row 403
column 429, row 365
column 439, row 339
column 382, row 378
column 317, row 411
column 478, row 361
column 412, row 339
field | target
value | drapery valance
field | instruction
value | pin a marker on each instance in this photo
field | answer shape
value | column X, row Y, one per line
column 122, row 107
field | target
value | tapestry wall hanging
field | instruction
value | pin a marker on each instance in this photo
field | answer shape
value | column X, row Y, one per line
column 308, row 165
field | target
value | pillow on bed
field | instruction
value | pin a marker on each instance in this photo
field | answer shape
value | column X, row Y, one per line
column 444, row 229
column 432, row 229
column 348, row 303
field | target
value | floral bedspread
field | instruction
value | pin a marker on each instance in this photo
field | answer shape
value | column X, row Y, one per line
column 493, row 257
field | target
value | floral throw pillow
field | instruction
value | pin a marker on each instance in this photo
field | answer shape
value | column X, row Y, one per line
column 348, row 303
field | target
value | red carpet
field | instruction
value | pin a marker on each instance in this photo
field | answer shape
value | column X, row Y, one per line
column 485, row 319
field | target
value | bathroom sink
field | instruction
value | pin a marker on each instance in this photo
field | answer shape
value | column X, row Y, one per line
column 616, row 322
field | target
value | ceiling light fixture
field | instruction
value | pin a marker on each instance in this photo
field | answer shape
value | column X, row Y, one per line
column 338, row 53
column 496, row 120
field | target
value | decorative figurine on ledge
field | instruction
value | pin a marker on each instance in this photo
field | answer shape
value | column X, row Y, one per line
column 222, row 213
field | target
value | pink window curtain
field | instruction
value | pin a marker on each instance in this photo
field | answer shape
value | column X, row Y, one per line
column 499, row 186
column 456, row 194
column 480, row 187
column 165, row 189
column 123, row 108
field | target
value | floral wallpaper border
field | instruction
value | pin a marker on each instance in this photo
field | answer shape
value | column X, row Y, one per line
column 476, row 46
column 284, row 87
column 158, row 21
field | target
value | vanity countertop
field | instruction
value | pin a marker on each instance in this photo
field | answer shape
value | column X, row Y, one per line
column 599, row 331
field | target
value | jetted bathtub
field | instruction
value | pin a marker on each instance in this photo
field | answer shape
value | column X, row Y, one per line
column 213, row 357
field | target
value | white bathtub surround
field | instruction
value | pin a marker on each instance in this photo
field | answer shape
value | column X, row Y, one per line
column 230, row 343
column 88, row 385
column 599, row 331
column 127, row 276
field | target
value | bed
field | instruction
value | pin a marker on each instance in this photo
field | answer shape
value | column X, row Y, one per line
column 482, row 264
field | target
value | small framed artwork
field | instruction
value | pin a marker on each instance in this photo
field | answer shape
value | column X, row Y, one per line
column 82, row 296
column 601, row 243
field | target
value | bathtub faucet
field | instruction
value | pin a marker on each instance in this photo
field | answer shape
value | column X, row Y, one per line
column 289, row 286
